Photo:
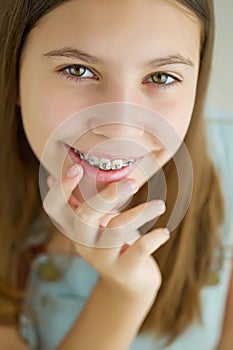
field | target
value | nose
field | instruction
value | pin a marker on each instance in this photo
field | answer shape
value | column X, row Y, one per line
column 120, row 115
column 118, row 130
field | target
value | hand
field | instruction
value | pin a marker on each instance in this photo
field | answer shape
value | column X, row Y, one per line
column 129, row 268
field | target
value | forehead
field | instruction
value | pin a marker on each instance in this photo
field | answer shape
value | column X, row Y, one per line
column 132, row 28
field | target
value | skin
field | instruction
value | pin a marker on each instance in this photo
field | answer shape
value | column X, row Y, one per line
column 47, row 98
column 147, row 31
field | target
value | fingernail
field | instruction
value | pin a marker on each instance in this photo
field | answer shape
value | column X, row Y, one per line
column 160, row 205
column 166, row 231
column 133, row 184
column 73, row 171
column 51, row 181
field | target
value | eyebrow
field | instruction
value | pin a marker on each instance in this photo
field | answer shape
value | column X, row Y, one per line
column 80, row 55
column 73, row 53
column 169, row 60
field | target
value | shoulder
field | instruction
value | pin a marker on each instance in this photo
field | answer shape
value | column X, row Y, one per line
column 11, row 340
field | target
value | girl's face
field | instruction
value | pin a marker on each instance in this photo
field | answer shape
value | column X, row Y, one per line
column 90, row 52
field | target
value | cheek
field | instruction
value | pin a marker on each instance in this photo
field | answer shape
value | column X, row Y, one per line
column 180, row 118
column 175, row 116
column 42, row 112
column 178, row 111
column 46, row 105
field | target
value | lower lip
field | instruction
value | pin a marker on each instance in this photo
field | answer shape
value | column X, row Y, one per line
column 99, row 175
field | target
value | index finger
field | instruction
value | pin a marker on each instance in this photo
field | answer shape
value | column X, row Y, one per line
column 104, row 202
column 60, row 191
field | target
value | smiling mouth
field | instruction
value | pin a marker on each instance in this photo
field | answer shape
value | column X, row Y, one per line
column 103, row 163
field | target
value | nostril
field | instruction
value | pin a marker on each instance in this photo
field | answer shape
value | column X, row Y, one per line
column 118, row 130
column 98, row 130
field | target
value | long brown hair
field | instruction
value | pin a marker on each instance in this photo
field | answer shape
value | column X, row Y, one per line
column 185, row 261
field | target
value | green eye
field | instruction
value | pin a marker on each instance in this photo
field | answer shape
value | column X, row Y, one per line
column 77, row 71
column 160, row 78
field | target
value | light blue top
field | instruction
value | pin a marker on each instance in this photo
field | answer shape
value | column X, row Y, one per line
column 51, row 307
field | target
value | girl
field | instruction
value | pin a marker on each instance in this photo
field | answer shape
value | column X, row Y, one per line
column 58, row 58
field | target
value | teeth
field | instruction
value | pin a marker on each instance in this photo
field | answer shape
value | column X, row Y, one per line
column 129, row 162
column 93, row 160
column 82, row 156
column 104, row 163
column 117, row 164
column 76, row 151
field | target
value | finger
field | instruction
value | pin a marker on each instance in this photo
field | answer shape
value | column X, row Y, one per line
column 73, row 202
column 104, row 202
column 139, row 251
column 107, row 218
column 124, row 226
column 136, row 217
column 59, row 194
column 51, row 180
column 90, row 214
column 72, row 179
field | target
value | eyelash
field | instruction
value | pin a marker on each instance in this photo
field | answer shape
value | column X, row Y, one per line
column 78, row 79
column 164, row 86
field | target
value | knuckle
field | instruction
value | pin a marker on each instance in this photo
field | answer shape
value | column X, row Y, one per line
column 109, row 193
column 142, row 246
column 113, row 223
column 82, row 215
